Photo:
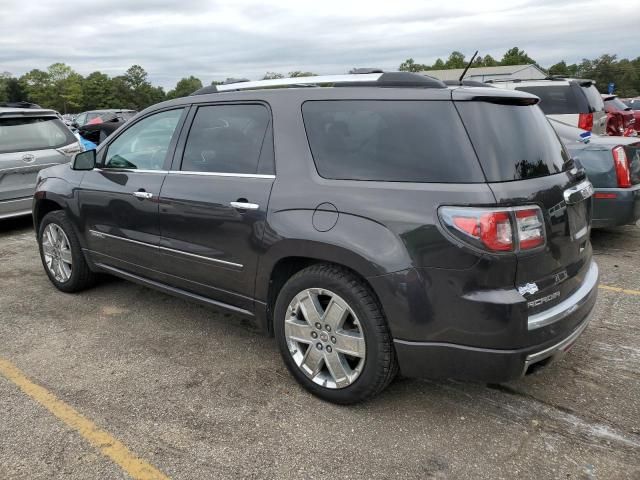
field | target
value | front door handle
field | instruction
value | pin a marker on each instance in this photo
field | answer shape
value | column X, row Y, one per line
column 245, row 205
column 146, row 195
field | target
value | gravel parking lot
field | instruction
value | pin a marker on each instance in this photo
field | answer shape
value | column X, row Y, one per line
column 198, row 394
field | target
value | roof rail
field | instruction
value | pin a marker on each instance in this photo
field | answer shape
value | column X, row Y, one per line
column 388, row 79
column 518, row 80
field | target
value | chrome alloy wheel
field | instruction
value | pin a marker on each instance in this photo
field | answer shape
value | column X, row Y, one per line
column 325, row 338
column 57, row 252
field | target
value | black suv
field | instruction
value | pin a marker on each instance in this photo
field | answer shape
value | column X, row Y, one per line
column 371, row 222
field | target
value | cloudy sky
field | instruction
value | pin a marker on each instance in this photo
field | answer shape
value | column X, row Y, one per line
column 215, row 39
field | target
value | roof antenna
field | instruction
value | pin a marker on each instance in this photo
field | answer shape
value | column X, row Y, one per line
column 467, row 67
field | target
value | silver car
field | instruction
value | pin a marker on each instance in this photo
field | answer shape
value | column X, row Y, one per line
column 30, row 140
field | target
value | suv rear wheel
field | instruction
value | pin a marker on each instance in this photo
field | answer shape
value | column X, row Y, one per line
column 333, row 336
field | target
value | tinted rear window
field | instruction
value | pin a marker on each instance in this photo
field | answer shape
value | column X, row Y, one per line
column 22, row 134
column 513, row 142
column 559, row 99
column 389, row 140
column 616, row 104
column 594, row 98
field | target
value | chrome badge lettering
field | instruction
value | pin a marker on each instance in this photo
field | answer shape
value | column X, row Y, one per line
column 560, row 277
column 539, row 301
column 529, row 288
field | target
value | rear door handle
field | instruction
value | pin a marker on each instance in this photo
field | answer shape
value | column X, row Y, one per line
column 245, row 205
column 146, row 195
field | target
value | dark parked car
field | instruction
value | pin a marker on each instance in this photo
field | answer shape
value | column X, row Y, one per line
column 612, row 164
column 103, row 124
column 441, row 231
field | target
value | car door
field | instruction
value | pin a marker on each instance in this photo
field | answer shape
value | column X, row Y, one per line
column 213, row 203
column 118, row 200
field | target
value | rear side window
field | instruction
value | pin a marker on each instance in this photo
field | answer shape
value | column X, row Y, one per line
column 22, row 134
column 560, row 99
column 388, row 140
column 513, row 142
column 593, row 97
column 226, row 139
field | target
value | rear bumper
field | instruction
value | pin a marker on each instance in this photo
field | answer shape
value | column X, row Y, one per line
column 449, row 360
column 621, row 210
column 15, row 207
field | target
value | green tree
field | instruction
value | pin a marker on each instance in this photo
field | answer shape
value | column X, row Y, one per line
column 515, row 56
column 560, row 69
column 298, row 73
column 97, row 91
column 185, row 87
column 438, row 65
column 455, row 60
column 489, row 61
column 37, row 86
column 409, row 65
column 272, row 76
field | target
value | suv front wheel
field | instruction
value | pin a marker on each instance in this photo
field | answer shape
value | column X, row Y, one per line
column 333, row 336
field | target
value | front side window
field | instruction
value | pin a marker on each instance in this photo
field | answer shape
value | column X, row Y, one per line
column 226, row 139
column 144, row 146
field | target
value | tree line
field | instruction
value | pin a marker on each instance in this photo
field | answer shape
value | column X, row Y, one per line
column 61, row 88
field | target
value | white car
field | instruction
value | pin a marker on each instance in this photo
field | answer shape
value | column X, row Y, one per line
column 573, row 101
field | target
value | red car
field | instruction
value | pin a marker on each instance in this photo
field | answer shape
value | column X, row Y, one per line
column 634, row 104
column 621, row 120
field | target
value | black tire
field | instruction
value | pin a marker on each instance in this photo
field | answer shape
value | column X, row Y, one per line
column 81, row 276
column 380, row 365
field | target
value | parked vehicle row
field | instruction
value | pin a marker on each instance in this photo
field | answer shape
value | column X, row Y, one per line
column 398, row 224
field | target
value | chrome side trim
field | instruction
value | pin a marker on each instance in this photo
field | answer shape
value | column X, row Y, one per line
column 31, row 166
column 568, row 305
column 578, row 193
column 166, row 249
column 220, row 174
column 21, row 213
column 14, row 200
column 172, row 290
column 130, row 170
column 558, row 348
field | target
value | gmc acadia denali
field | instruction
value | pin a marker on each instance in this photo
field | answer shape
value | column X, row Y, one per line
column 372, row 222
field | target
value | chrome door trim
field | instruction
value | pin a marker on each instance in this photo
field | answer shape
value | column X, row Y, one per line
column 578, row 193
column 146, row 195
column 130, row 170
column 31, row 166
column 221, row 174
column 95, row 233
column 244, row 205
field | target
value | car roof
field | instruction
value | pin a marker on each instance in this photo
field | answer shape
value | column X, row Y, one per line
column 27, row 112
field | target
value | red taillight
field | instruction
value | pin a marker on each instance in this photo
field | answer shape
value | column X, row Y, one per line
column 585, row 121
column 496, row 230
column 622, row 167
column 605, row 196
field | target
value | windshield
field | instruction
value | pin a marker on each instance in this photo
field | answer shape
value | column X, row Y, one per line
column 22, row 134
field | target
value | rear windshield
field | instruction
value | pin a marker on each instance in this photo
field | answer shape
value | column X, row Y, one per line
column 22, row 134
column 616, row 104
column 513, row 142
column 390, row 140
column 560, row 99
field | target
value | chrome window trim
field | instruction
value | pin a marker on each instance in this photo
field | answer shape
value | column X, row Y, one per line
column 568, row 305
column 316, row 80
column 129, row 170
column 221, row 174
column 166, row 249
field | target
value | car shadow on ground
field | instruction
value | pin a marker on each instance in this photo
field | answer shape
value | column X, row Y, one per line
column 12, row 225
column 615, row 238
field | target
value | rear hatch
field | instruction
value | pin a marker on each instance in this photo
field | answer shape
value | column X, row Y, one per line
column 575, row 102
column 29, row 143
column 526, row 164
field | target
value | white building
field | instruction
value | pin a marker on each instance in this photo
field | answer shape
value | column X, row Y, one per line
column 482, row 74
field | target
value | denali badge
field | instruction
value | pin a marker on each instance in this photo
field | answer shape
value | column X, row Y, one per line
column 529, row 288
column 539, row 301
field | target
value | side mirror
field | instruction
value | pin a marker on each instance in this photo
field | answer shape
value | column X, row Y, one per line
column 84, row 160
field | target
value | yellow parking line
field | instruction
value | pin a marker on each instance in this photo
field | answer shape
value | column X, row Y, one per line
column 621, row 290
column 108, row 445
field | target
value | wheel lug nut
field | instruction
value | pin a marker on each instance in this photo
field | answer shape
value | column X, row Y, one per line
column 329, row 348
column 327, row 328
column 333, row 339
column 318, row 326
column 314, row 334
column 319, row 346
